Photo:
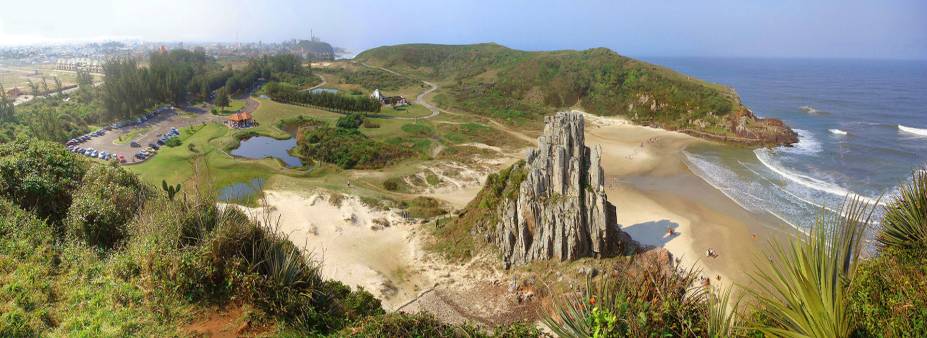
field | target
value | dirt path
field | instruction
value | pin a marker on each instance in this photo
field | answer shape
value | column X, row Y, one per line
column 324, row 82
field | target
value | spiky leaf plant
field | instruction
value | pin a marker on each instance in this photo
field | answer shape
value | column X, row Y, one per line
column 804, row 285
column 643, row 297
column 723, row 318
column 904, row 225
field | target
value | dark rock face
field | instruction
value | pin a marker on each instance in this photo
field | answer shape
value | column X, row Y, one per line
column 316, row 50
column 561, row 210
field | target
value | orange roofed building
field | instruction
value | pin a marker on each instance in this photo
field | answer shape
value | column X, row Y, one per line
column 240, row 120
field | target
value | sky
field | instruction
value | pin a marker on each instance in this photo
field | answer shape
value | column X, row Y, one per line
column 894, row 29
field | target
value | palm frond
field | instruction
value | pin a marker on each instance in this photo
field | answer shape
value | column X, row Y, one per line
column 905, row 222
column 804, row 284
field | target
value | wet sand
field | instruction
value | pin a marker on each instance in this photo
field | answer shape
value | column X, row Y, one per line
column 654, row 190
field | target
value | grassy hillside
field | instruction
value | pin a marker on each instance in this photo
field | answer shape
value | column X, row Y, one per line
column 520, row 87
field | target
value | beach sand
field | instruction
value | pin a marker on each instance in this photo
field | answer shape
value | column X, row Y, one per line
column 646, row 179
column 653, row 191
column 351, row 241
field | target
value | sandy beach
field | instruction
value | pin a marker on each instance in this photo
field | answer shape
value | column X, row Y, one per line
column 647, row 180
column 653, row 190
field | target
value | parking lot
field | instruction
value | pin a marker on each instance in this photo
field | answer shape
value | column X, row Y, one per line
column 158, row 125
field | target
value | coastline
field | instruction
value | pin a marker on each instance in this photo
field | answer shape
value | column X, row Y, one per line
column 653, row 190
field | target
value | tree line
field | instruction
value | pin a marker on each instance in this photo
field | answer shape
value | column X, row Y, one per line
column 182, row 75
column 288, row 94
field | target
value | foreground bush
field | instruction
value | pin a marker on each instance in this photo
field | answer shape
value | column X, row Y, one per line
column 27, row 254
column 805, row 286
column 643, row 297
column 40, row 176
column 904, row 225
column 108, row 198
column 890, row 294
column 402, row 325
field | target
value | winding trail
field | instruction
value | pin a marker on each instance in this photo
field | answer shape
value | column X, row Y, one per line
column 324, row 82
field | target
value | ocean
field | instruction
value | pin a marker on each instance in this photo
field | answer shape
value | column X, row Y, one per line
column 862, row 128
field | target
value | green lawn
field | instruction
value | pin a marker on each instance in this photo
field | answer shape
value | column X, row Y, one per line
column 234, row 106
column 413, row 110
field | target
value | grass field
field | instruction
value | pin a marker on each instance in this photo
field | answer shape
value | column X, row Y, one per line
column 208, row 146
column 413, row 110
column 234, row 106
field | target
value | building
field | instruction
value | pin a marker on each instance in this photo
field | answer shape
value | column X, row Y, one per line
column 240, row 120
column 390, row 100
column 80, row 64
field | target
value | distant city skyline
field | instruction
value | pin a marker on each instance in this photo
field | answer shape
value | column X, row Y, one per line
column 893, row 29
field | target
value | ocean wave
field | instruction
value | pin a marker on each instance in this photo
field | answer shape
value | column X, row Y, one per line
column 915, row 131
column 812, row 111
column 837, row 131
column 763, row 155
column 807, row 144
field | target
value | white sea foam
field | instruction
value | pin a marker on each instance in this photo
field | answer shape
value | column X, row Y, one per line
column 837, row 132
column 763, row 155
column 915, row 131
column 807, row 144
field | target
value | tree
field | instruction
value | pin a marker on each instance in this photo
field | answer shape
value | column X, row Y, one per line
column 6, row 105
column 222, row 98
column 58, row 86
column 33, row 87
column 45, row 86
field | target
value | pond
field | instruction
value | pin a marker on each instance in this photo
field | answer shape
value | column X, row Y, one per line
column 259, row 147
column 241, row 191
column 324, row 90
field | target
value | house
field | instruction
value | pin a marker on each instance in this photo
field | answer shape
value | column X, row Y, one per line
column 390, row 100
column 377, row 95
column 395, row 101
column 240, row 120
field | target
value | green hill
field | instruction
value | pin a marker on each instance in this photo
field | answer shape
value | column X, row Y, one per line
column 520, row 87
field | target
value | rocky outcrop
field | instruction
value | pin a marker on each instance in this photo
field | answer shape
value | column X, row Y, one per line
column 560, row 210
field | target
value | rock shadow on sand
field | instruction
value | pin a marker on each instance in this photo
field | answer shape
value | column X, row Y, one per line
column 653, row 233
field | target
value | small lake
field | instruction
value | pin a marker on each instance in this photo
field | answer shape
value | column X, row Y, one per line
column 324, row 90
column 241, row 191
column 260, row 147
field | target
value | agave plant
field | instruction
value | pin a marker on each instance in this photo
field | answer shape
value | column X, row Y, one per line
column 805, row 284
column 723, row 320
column 904, row 224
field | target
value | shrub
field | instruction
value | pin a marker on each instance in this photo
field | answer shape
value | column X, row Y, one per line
column 348, row 148
column 107, row 199
column 904, row 224
column 804, row 287
column 40, row 176
column 424, row 207
column 888, row 294
column 350, row 121
column 392, row 184
column 401, row 325
column 173, row 142
column 644, row 297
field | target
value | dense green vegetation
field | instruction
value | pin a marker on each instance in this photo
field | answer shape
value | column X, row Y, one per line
column 337, row 102
column 348, row 148
column 180, row 75
column 372, row 78
column 136, row 263
column 520, row 87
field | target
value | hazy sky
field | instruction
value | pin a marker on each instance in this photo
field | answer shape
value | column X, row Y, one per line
column 774, row 28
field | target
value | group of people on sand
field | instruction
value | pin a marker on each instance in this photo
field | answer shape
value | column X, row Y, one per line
column 651, row 140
